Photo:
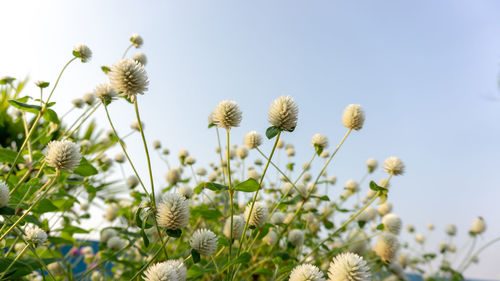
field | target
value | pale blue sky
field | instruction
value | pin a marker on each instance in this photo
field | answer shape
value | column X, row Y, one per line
column 424, row 71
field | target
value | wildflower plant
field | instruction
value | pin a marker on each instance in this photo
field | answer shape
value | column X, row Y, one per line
column 231, row 220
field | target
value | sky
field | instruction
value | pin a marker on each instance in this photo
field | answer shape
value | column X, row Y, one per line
column 425, row 72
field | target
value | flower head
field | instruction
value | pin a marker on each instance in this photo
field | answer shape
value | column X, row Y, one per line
column 253, row 140
column 258, row 216
column 371, row 164
column 271, row 238
column 107, row 234
column 451, row 229
column 56, row 268
column 4, row 194
column 353, row 117
column 296, row 237
column 227, row 114
column 161, row 271
column 63, row 155
column 242, row 152
column 478, row 226
column 392, row 223
column 35, row 234
column 394, row 165
column 140, row 58
column 136, row 39
column 173, row 176
column 306, row 272
column 129, row 78
column 204, row 241
column 386, row 247
column 319, row 141
column 105, row 93
column 173, row 211
column 283, row 113
column 238, row 225
column 348, row 267
column 83, row 52
column 115, row 243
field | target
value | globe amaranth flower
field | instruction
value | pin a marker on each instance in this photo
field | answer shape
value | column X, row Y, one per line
column 253, row 140
column 238, row 225
column 451, row 229
column 371, row 164
column 63, row 155
column 258, row 216
column 386, row 247
column 136, row 40
column 353, row 117
column 204, row 241
column 283, row 113
column 227, row 114
column 4, row 194
column 306, row 272
column 319, row 142
column 173, row 176
column 296, row 237
column 78, row 103
column 348, row 267
column 35, row 234
column 394, row 165
column 56, row 269
column 115, row 243
column 173, row 211
column 129, row 78
column 271, row 238
column 392, row 223
column 185, row 191
column 83, row 52
column 140, row 58
column 111, row 212
column 242, row 152
column 478, row 226
column 105, row 93
column 161, row 272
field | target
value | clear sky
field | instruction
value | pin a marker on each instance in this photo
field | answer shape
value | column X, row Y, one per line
column 426, row 73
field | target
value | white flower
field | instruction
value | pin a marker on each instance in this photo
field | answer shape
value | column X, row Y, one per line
column 478, row 226
column 371, row 164
column 238, row 225
column 242, row 152
column 156, row 144
column 420, row 238
column 120, row 158
column 136, row 39
column 283, row 113
column 78, row 103
column 115, row 243
column 280, row 144
column 271, row 238
column 140, row 58
column 173, row 211
column 332, row 179
column 105, row 93
column 204, row 242
column 451, row 229
column 185, row 191
column 108, row 233
column 56, row 268
column 201, row 171
column 96, row 276
column 348, row 267
column 258, row 216
column 353, row 117
column 277, row 218
column 63, row 155
column 386, row 247
column 4, row 194
column 129, row 77
column 394, row 165
column 35, row 234
column 384, row 208
column 173, row 176
column 83, row 52
column 132, row 182
column 161, row 271
column 227, row 114
column 392, row 223
column 319, row 141
column 430, row 226
column 190, row 160
column 179, row 267
column 111, row 212
column 352, row 186
column 306, row 272
column 296, row 237
column 87, row 251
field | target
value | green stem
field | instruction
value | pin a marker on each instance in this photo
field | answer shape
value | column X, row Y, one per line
column 126, row 50
column 14, row 261
column 230, row 192
column 479, row 251
column 83, row 121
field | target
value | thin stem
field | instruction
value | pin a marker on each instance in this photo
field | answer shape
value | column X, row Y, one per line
column 230, row 192
column 126, row 50
column 83, row 121
column 14, row 261
column 26, row 132
column 479, row 251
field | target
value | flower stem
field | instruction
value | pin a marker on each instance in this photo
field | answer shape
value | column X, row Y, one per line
column 14, row 261
column 230, row 192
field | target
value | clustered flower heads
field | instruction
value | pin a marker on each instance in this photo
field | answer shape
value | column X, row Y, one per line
column 306, row 272
column 258, row 216
column 129, row 78
column 204, row 241
column 63, row 155
column 284, row 113
column 4, row 194
column 353, row 117
column 227, row 114
column 173, row 211
column 348, row 267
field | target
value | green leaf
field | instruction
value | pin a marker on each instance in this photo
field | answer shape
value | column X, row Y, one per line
column 59, row 241
column 105, row 69
column 243, row 258
column 380, row 226
column 85, row 169
column 210, row 185
column 25, row 107
column 250, row 185
column 361, row 224
column 195, row 255
column 195, row 271
column 175, row 233
column 51, row 116
column 376, row 187
column 272, row 131
column 8, row 156
column 262, row 271
column 289, row 166
column 328, row 224
column 206, row 212
column 7, row 211
column 44, row 206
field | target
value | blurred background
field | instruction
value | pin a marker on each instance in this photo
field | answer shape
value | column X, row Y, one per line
column 425, row 72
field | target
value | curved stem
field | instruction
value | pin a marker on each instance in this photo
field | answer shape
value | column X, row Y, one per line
column 126, row 50
column 479, row 251
column 14, row 261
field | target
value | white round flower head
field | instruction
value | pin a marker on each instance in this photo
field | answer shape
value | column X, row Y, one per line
column 296, row 237
column 165, row 151
column 173, row 176
column 179, row 267
column 105, row 93
column 348, row 267
column 107, row 234
column 324, row 154
column 451, row 229
column 201, row 171
column 35, row 234
column 204, row 241
column 87, row 251
column 478, row 226
column 115, row 243
column 190, row 160
column 227, row 114
column 386, row 247
column 132, row 182
column 120, row 158
column 271, row 238
column 287, row 186
column 56, row 269
column 258, row 216
column 420, row 238
column 278, row 217
column 78, row 103
column 332, row 179
column 280, row 144
column 238, row 225
column 290, row 152
column 430, row 226
column 394, row 165
column 253, row 174
column 185, row 191
column 283, row 113
column 129, row 78
column 306, row 272
column 156, row 144
column 242, row 152
column 352, row 186
column 83, row 52
column 161, row 271
column 392, row 223
column 173, row 211
column 111, row 212
column 353, row 117
column 4, row 194
column 319, row 142
column 63, row 155
column 183, row 153
column 410, row 228
column 135, row 126
column 384, row 208
column 140, row 58
column 371, row 164
column 84, row 206
column 136, row 39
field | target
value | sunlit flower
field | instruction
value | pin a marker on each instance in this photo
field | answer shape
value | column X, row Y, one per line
column 348, row 267
column 83, row 52
column 140, row 58
column 35, row 234
column 173, row 176
column 204, row 241
column 56, row 268
column 227, row 114
column 319, row 141
column 353, row 117
column 271, row 238
column 394, row 165
column 173, row 211
column 129, row 78
column 296, row 237
column 392, row 223
column 63, row 155
column 371, row 164
column 105, row 93
column 478, row 225
column 136, row 39
column 386, row 247
column 161, row 271
column 115, row 243
column 238, row 225
column 283, row 113
column 306, row 272
column 258, row 216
